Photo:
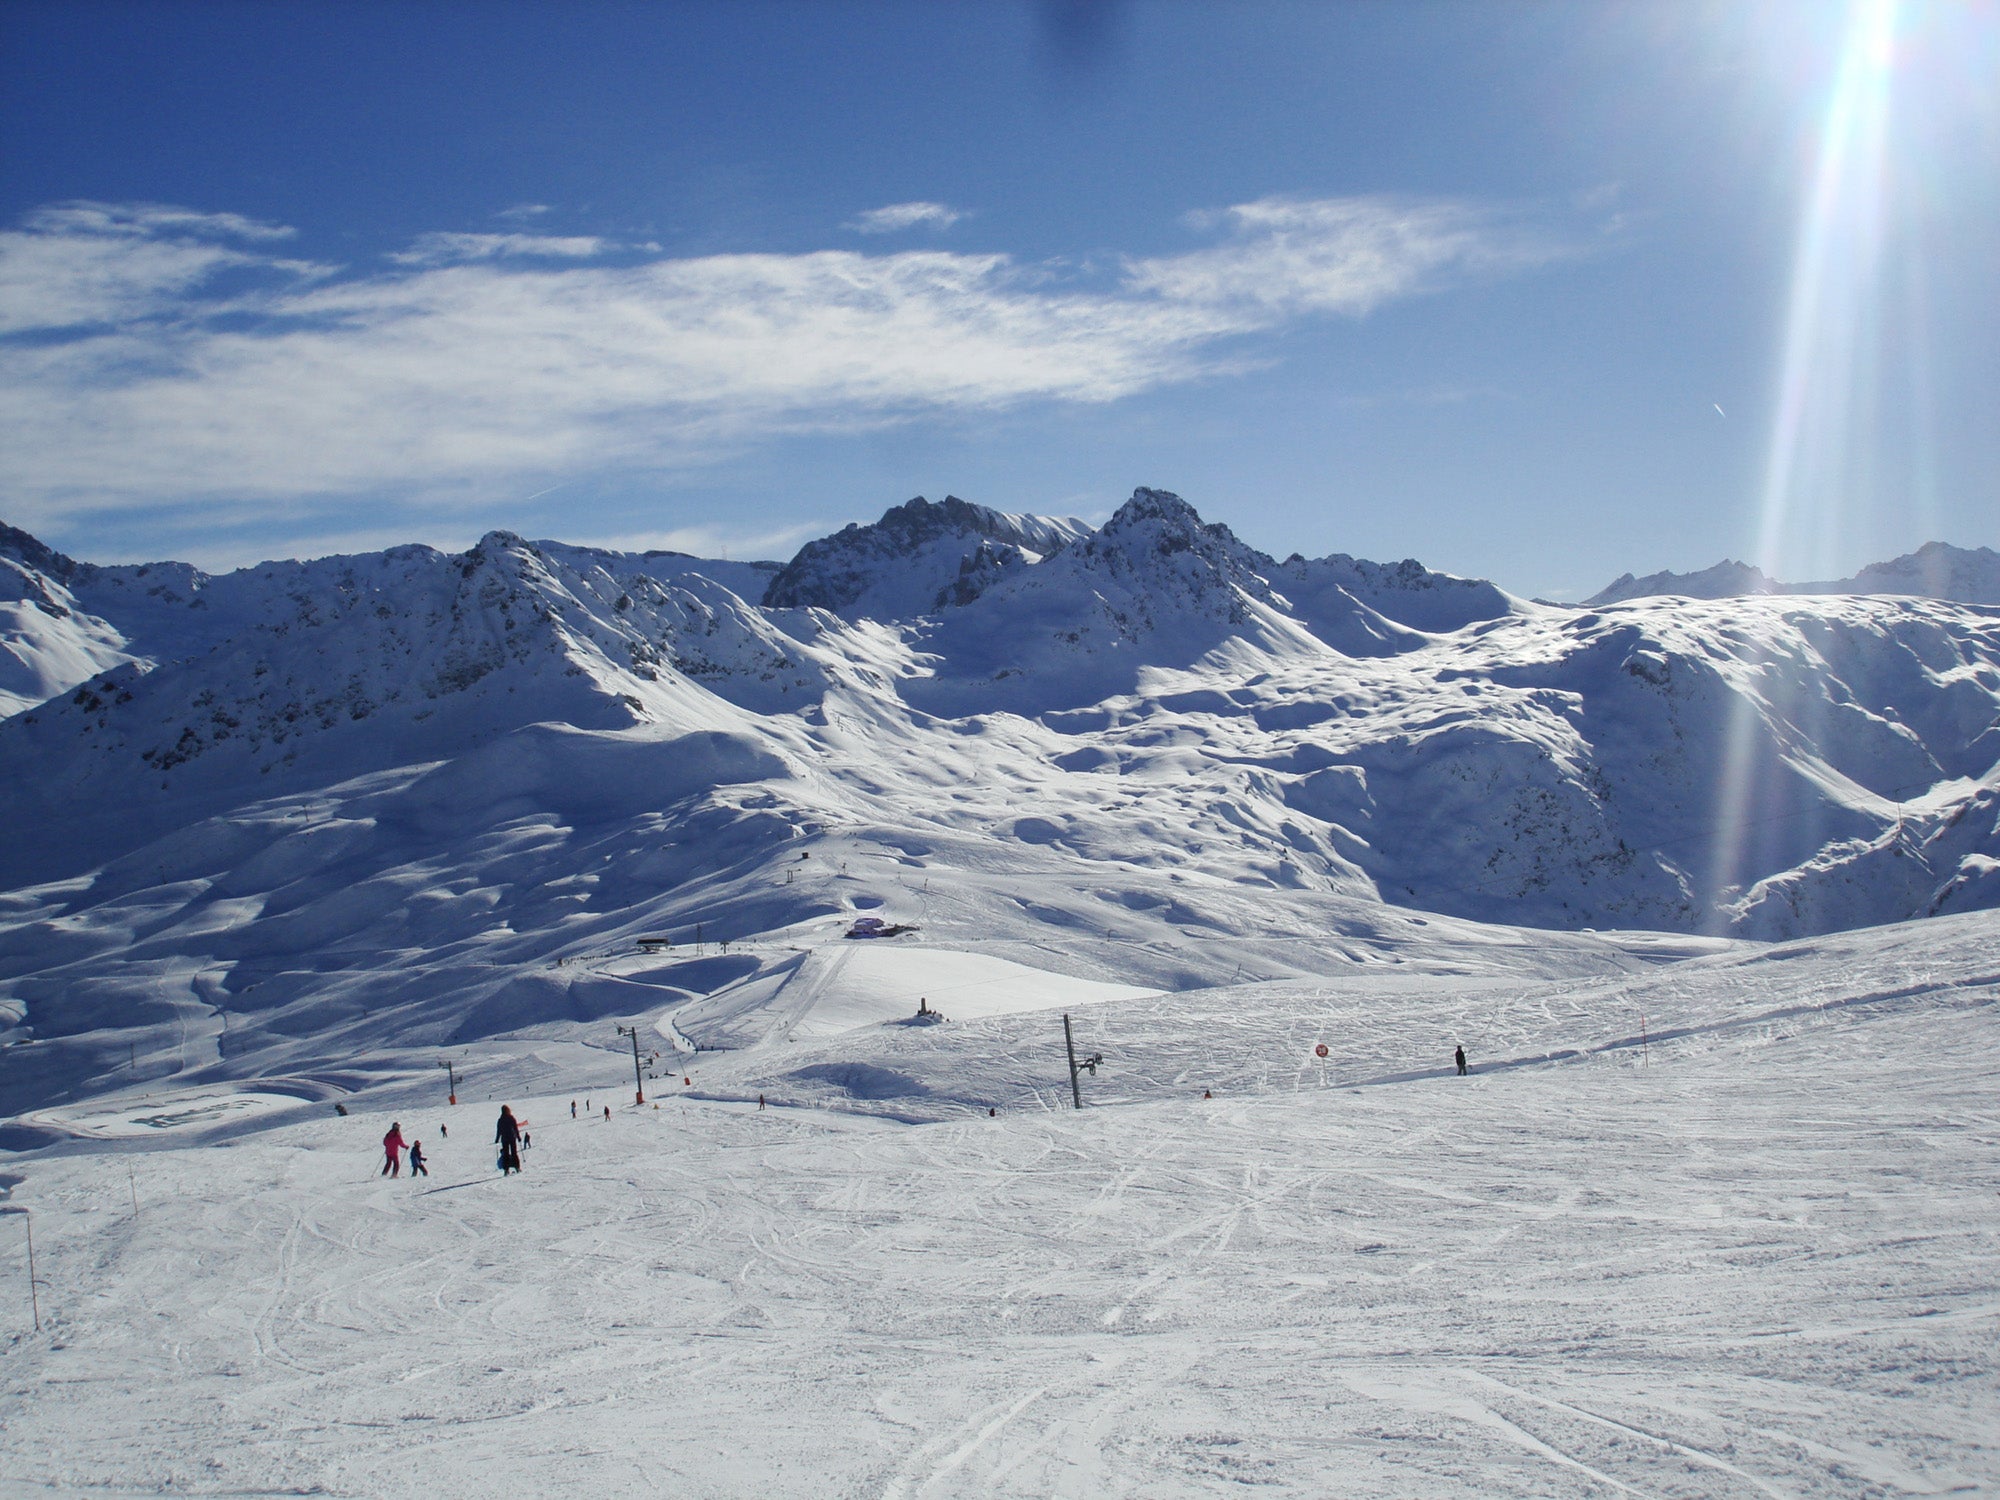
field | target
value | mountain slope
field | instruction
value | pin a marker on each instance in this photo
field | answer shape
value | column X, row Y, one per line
column 395, row 797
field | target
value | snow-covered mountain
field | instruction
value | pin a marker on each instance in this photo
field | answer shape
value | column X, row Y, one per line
column 1935, row 570
column 48, row 641
column 920, row 557
column 381, row 802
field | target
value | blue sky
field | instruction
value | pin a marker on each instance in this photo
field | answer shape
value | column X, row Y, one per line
column 1536, row 291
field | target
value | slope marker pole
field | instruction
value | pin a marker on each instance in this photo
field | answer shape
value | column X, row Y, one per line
column 638, row 1078
column 34, row 1297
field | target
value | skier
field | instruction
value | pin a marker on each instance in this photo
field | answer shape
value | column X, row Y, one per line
column 444, row 1130
column 508, row 1136
column 392, row 1144
column 417, row 1167
column 607, row 1114
column 1458, row 1055
column 572, row 1109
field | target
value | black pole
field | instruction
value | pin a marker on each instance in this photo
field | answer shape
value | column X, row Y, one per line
column 34, row 1301
column 1069, row 1045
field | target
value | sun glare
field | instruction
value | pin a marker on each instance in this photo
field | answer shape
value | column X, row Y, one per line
column 1819, row 469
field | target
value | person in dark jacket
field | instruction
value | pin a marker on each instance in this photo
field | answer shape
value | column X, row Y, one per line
column 508, row 1136
column 1458, row 1055
column 417, row 1167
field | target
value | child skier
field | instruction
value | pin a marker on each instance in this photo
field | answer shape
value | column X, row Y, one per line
column 417, row 1168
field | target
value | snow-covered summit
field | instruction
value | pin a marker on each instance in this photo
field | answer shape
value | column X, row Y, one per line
column 920, row 557
column 1727, row 579
column 1935, row 570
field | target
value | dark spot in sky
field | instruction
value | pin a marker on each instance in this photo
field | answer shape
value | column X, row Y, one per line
column 1079, row 36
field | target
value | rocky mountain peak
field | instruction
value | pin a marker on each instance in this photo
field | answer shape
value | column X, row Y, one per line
column 1158, row 526
column 921, row 556
column 35, row 554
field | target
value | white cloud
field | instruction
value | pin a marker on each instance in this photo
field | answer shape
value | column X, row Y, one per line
column 78, row 264
column 714, row 540
column 899, row 216
column 486, row 368
column 522, row 212
column 440, row 248
column 149, row 219
column 1341, row 255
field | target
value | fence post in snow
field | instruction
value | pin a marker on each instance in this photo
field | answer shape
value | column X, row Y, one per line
column 1090, row 1062
column 1069, row 1045
column 28, row 1223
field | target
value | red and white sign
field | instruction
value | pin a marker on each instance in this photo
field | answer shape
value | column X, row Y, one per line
column 1320, row 1050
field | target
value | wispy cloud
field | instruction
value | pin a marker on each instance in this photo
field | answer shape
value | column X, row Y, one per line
column 151, row 219
column 898, row 216
column 522, row 213
column 159, row 356
column 76, row 264
column 441, row 248
column 1344, row 255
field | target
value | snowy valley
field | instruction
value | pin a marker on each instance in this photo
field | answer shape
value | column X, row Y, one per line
column 1705, row 885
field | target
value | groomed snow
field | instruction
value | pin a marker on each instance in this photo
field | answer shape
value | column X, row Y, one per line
column 873, row 982
column 165, row 1112
column 1724, row 1227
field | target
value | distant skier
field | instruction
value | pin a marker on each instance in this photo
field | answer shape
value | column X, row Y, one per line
column 417, row 1167
column 1458, row 1055
column 572, row 1109
column 392, row 1145
column 607, row 1114
column 445, row 1131
column 508, row 1136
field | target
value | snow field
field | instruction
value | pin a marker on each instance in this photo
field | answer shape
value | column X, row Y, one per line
column 1754, row 1256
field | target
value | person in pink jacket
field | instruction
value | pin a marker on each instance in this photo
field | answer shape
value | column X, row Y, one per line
column 392, row 1146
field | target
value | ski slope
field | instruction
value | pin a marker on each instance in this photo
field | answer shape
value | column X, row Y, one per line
column 1724, row 1224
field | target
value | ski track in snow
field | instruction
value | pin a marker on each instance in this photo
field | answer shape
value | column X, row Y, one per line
column 1753, row 1256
